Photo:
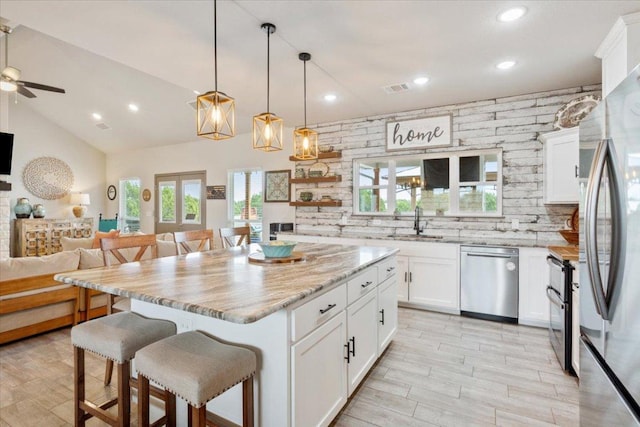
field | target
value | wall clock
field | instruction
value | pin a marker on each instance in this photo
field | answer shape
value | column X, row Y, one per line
column 276, row 186
column 111, row 192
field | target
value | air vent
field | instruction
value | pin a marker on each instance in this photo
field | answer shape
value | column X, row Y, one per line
column 102, row 126
column 396, row 88
column 193, row 104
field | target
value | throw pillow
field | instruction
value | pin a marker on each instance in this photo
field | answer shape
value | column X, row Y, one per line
column 100, row 235
column 70, row 244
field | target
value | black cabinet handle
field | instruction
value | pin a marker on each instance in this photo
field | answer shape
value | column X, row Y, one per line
column 364, row 285
column 390, row 269
column 405, row 277
column 329, row 307
column 382, row 312
column 577, row 171
column 353, row 346
column 410, row 277
column 348, row 347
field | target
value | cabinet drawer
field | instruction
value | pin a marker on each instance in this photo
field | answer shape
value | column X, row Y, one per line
column 386, row 269
column 317, row 311
column 362, row 284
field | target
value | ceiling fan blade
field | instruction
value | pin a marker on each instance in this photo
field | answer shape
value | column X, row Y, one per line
column 40, row 86
column 25, row 92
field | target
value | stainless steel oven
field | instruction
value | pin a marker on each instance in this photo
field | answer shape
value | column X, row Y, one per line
column 559, row 294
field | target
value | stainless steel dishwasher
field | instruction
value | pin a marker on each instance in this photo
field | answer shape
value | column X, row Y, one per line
column 489, row 283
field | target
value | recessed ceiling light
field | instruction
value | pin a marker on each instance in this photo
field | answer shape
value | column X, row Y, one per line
column 96, row 116
column 512, row 14
column 133, row 107
column 330, row 97
column 505, row 65
column 421, row 80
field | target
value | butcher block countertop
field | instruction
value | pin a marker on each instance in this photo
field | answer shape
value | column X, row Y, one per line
column 565, row 253
column 223, row 284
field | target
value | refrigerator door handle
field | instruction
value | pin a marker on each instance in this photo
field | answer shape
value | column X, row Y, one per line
column 591, row 228
column 618, row 228
column 605, row 157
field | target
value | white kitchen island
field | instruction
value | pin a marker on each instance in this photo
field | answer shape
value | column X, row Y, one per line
column 317, row 326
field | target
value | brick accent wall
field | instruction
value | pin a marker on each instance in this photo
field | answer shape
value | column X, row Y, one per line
column 513, row 123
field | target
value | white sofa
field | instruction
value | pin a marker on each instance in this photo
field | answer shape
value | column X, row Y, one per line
column 31, row 302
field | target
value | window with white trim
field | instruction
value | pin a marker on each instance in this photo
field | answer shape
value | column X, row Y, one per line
column 245, row 200
column 460, row 183
column 130, row 204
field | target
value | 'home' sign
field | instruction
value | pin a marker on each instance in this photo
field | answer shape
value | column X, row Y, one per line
column 420, row 133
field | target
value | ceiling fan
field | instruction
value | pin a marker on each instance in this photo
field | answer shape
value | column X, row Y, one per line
column 10, row 77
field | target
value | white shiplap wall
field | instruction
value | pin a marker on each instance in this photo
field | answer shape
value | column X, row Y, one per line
column 513, row 123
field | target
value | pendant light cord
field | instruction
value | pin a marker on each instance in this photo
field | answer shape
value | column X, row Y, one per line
column 305, row 93
column 268, row 54
column 215, row 43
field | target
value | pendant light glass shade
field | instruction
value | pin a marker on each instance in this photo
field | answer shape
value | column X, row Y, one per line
column 267, row 127
column 216, row 116
column 216, row 111
column 305, row 140
column 305, row 144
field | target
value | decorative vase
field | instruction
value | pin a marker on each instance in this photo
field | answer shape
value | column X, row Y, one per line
column 39, row 211
column 306, row 196
column 299, row 173
column 22, row 208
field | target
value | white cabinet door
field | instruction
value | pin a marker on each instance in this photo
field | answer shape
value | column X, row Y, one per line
column 362, row 327
column 403, row 278
column 561, row 166
column 387, row 312
column 319, row 370
column 533, row 304
column 434, row 282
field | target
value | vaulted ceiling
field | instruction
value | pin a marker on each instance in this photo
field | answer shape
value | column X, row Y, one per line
column 107, row 54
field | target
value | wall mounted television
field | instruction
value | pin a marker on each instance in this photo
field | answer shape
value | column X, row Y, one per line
column 6, row 152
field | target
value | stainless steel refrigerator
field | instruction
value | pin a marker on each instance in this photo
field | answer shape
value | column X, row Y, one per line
column 610, row 259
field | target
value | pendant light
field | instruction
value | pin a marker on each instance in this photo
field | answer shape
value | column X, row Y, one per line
column 216, row 110
column 305, row 140
column 267, row 127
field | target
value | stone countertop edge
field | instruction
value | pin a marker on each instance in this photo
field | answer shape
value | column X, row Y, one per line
column 226, row 315
column 524, row 243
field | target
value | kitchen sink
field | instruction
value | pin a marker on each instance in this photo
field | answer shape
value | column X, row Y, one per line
column 414, row 236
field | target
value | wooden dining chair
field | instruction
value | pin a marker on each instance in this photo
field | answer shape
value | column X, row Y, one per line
column 235, row 236
column 203, row 238
column 111, row 248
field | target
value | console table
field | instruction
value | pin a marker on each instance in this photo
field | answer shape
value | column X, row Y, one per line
column 38, row 237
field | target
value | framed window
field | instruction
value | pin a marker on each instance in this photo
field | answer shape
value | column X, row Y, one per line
column 245, row 198
column 130, row 204
column 454, row 183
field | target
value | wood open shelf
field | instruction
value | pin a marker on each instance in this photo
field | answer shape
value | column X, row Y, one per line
column 332, row 203
column 329, row 155
column 313, row 179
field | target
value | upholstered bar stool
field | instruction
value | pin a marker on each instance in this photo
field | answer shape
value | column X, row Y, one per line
column 197, row 368
column 117, row 337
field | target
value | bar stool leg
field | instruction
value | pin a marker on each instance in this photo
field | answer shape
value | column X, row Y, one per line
column 143, row 401
column 170, row 408
column 124, row 394
column 108, row 372
column 78, row 389
column 247, row 402
column 198, row 416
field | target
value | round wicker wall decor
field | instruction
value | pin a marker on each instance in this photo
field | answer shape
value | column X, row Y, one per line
column 48, row 178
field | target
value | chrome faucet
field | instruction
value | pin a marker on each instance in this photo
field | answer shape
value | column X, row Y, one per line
column 416, row 221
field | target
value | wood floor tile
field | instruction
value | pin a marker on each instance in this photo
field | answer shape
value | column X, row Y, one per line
column 440, row 369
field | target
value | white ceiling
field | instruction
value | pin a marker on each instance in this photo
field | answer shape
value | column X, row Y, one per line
column 107, row 54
